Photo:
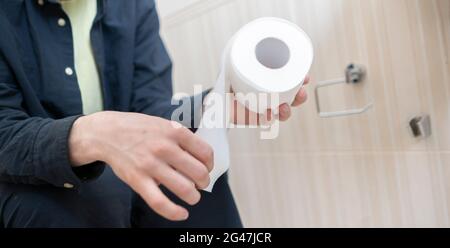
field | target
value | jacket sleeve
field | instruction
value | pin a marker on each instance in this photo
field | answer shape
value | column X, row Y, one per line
column 33, row 150
column 152, row 84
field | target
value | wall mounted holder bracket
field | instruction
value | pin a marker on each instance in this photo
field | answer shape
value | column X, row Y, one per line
column 421, row 126
column 354, row 74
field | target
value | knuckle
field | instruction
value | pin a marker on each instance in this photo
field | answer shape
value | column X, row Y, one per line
column 147, row 163
column 131, row 177
column 162, row 149
column 202, row 175
column 178, row 133
column 186, row 190
column 175, row 125
column 157, row 203
column 203, row 180
column 207, row 154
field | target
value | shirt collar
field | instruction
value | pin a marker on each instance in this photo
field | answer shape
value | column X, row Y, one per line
column 101, row 7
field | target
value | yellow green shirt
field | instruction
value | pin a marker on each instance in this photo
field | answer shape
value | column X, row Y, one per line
column 82, row 14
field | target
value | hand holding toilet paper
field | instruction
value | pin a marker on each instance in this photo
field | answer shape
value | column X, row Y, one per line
column 268, row 56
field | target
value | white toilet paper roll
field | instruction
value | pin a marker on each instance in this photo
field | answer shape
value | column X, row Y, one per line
column 271, row 56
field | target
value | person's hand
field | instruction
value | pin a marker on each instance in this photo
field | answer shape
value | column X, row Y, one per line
column 242, row 116
column 144, row 152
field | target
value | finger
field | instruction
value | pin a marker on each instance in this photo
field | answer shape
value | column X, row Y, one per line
column 196, row 147
column 285, row 112
column 190, row 167
column 266, row 119
column 307, row 80
column 178, row 184
column 243, row 116
column 300, row 98
column 153, row 196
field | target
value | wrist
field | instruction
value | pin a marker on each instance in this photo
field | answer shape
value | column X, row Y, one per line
column 82, row 147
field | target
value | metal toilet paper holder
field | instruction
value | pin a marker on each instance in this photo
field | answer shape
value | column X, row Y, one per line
column 354, row 74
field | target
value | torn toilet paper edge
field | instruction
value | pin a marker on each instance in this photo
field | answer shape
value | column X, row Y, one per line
column 217, row 138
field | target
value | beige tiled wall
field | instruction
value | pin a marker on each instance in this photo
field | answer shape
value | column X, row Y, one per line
column 360, row 171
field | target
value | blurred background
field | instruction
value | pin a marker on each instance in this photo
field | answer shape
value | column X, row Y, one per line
column 388, row 167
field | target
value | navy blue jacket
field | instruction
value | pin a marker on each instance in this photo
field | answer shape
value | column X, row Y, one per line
column 39, row 102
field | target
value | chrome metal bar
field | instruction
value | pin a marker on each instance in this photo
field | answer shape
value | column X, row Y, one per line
column 354, row 74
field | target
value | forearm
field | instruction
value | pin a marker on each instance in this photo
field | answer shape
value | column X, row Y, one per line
column 35, row 150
